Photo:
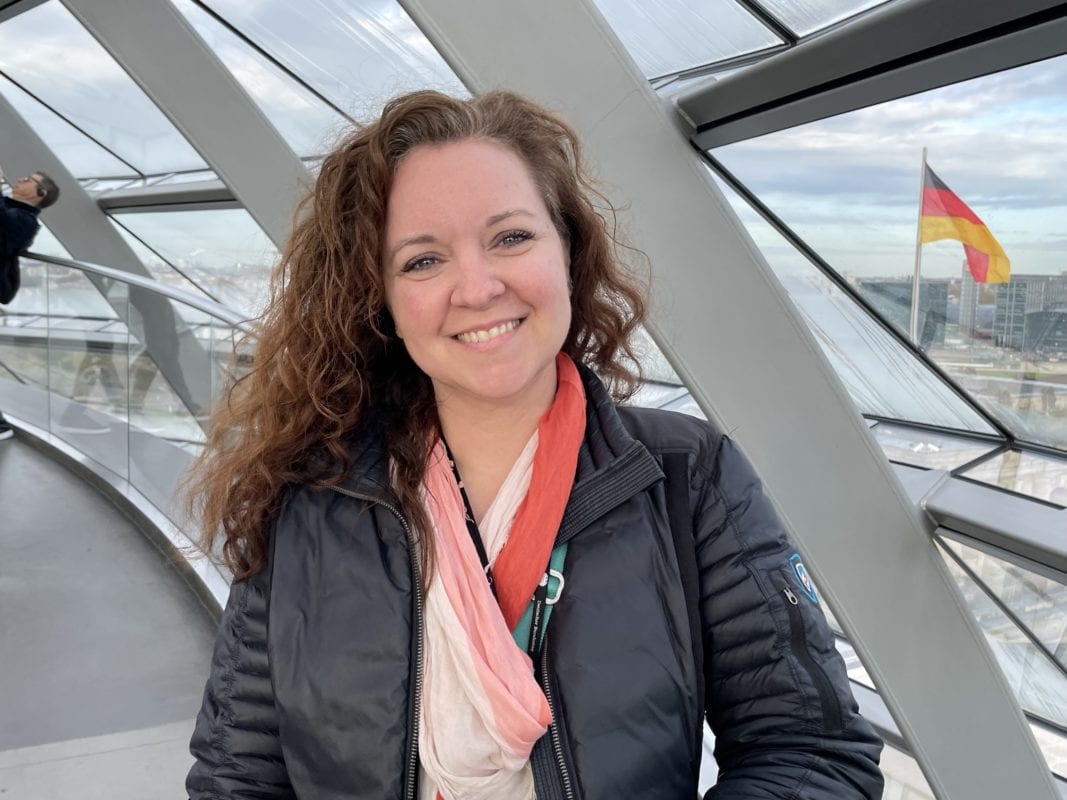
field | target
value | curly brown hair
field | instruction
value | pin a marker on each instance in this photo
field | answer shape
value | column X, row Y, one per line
column 326, row 355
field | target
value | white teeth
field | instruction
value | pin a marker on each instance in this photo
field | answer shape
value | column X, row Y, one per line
column 492, row 333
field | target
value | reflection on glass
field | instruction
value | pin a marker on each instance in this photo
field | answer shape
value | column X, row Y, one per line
column 883, row 378
column 1034, row 475
column 79, row 154
column 358, row 54
column 1054, row 745
column 305, row 122
column 807, row 16
column 667, row 36
column 159, row 268
column 223, row 251
column 97, row 94
column 1039, row 602
column 849, row 186
column 1039, row 684
column 921, row 448
column 87, row 374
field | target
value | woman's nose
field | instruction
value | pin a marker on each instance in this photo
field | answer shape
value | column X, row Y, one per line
column 477, row 283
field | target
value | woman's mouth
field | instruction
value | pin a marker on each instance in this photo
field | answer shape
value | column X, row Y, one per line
column 487, row 334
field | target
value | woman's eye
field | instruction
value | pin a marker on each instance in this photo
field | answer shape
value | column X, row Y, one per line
column 512, row 238
column 419, row 263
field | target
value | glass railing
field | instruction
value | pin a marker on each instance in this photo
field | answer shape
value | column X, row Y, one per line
column 120, row 368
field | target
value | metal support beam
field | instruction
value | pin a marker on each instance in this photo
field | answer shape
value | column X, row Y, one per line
column 171, row 197
column 896, row 50
column 13, row 8
column 160, row 50
column 82, row 228
column 731, row 332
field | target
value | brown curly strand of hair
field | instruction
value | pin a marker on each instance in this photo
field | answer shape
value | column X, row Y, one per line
column 326, row 354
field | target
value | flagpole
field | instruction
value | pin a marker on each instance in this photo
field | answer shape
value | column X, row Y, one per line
column 918, row 257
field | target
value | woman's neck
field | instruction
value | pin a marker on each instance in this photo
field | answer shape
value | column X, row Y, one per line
column 485, row 443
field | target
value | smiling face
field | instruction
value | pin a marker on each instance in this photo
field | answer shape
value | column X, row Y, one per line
column 476, row 273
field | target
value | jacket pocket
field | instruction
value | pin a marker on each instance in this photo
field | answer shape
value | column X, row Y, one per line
column 799, row 622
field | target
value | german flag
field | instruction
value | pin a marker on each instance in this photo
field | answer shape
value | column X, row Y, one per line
column 945, row 216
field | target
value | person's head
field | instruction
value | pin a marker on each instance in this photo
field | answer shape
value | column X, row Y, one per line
column 36, row 189
column 495, row 187
column 362, row 208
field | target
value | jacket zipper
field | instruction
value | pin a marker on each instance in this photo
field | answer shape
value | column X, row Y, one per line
column 416, row 578
column 799, row 640
column 557, row 742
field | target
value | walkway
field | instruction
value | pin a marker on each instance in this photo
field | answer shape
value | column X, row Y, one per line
column 103, row 648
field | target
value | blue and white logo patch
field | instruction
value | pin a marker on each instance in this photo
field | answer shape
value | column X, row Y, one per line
column 803, row 578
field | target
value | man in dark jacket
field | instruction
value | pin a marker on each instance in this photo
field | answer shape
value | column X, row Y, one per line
column 18, row 226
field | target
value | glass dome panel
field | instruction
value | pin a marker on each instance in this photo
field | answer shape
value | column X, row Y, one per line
column 883, row 378
column 1025, row 473
column 68, row 69
column 79, row 154
column 920, row 448
column 1039, row 602
column 357, row 53
column 160, row 269
column 807, row 16
column 1039, row 683
column 306, row 123
column 849, row 186
column 668, row 36
column 222, row 250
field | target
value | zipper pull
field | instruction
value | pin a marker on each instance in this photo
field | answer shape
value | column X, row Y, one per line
column 792, row 598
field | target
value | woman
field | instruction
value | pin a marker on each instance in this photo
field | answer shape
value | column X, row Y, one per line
column 457, row 568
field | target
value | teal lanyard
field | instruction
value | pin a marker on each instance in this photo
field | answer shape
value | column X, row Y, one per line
column 531, row 626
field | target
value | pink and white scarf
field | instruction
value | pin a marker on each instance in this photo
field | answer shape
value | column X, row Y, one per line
column 482, row 709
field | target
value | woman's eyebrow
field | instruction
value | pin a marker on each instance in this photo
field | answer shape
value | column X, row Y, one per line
column 503, row 215
column 419, row 238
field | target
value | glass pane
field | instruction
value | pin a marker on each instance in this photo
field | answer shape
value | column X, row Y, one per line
column 849, row 186
column 807, row 16
column 161, row 270
column 68, row 69
column 1039, row 602
column 357, row 53
column 79, row 154
column 926, row 449
column 307, row 123
column 1039, row 685
column 1026, row 473
column 883, row 378
column 903, row 777
column 224, row 251
column 46, row 243
column 87, row 374
column 170, row 370
column 24, row 348
column 1054, row 745
column 668, row 36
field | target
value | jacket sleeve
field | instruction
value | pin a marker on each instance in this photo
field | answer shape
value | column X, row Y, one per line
column 235, row 743
column 778, row 699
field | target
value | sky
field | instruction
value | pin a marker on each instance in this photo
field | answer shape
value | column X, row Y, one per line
column 849, row 185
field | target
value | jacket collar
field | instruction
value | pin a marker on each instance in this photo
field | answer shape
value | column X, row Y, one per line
column 11, row 202
column 612, row 465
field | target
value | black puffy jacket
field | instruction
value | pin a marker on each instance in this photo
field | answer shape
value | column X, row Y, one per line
column 317, row 661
